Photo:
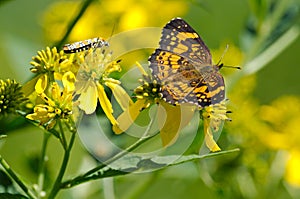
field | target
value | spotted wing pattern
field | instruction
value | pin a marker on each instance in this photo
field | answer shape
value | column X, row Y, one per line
column 182, row 65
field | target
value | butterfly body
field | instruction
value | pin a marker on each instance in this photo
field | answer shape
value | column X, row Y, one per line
column 182, row 65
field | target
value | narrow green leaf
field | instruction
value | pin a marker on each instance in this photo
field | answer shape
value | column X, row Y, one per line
column 131, row 163
column 11, row 196
column 138, row 163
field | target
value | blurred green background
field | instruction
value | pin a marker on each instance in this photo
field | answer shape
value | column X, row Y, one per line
column 265, row 103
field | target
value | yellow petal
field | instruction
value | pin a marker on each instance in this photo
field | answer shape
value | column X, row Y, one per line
column 68, row 81
column 41, row 84
column 57, row 76
column 29, row 87
column 105, row 104
column 172, row 119
column 120, row 94
column 55, row 91
column 49, row 101
column 142, row 70
column 209, row 140
column 127, row 118
column 88, row 98
column 32, row 116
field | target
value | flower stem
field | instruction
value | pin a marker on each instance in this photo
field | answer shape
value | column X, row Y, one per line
column 41, row 174
column 14, row 176
column 62, row 136
column 84, row 7
column 102, row 167
column 57, row 184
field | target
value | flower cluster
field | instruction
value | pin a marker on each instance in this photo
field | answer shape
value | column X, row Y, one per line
column 93, row 75
column 11, row 96
column 57, row 106
column 66, row 83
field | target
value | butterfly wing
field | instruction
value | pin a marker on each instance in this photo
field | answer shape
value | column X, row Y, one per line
column 182, row 65
column 179, row 37
column 175, row 74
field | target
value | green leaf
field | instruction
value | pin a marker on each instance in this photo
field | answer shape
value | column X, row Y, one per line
column 5, row 180
column 135, row 163
column 138, row 163
column 11, row 196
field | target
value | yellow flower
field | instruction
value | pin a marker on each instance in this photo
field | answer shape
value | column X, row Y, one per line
column 57, row 106
column 146, row 94
column 213, row 117
column 95, row 67
column 281, row 118
column 281, row 132
column 292, row 174
column 49, row 65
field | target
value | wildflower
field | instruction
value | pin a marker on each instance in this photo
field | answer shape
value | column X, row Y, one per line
column 213, row 117
column 146, row 94
column 95, row 67
column 11, row 96
column 58, row 105
column 45, row 64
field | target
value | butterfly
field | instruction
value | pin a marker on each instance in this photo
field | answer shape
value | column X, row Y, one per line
column 182, row 65
column 79, row 46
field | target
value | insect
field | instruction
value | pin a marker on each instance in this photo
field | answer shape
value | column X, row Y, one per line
column 75, row 47
column 183, row 66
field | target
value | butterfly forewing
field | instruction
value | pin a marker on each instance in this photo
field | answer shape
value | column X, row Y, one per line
column 180, row 38
column 166, row 65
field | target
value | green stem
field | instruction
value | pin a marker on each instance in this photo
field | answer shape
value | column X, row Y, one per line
column 62, row 136
column 118, row 156
column 14, row 176
column 272, row 51
column 57, row 184
column 265, row 29
column 89, row 175
column 267, row 56
column 41, row 175
column 84, row 6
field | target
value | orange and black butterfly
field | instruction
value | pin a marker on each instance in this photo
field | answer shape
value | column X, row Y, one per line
column 183, row 66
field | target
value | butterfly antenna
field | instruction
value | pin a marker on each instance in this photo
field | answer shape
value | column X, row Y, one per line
column 222, row 56
column 112, row 32
column 235, row 67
